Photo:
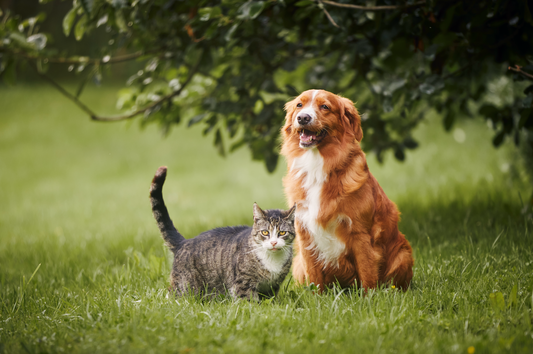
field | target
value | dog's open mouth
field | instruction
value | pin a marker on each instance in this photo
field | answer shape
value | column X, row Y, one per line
column 309, row 138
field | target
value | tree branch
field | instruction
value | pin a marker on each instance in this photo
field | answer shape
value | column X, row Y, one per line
column 518, row 69
column 321, row 5
column 372, row 8
column 80, row 60
column 117, row 118
column 67, row 94
column 458, row 71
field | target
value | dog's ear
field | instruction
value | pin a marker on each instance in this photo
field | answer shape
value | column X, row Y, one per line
column 289, row 108
column 351, row 118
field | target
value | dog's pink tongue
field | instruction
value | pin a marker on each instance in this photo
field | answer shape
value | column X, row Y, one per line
column 306, row 136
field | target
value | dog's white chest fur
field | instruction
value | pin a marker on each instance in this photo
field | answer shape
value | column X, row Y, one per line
column 326, row 245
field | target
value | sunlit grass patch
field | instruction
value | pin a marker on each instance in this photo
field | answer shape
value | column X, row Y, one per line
column 75, row 201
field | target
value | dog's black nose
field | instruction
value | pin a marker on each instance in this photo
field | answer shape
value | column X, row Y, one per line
column 303, row 118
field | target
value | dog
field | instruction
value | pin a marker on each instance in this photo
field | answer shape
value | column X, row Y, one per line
column 346, row 227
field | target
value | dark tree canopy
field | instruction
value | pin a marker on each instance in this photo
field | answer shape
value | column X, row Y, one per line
column 231, row 65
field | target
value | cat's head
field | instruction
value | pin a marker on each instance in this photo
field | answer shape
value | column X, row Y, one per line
column 273, row 230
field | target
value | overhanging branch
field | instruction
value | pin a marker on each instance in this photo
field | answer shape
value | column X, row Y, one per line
column 67, row 94
column 80, row 60
column 321, row 5
column 518, row 69
column 372, row 8
column 117, row 118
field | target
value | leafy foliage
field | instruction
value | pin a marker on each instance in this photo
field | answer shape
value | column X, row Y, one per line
column 231, row 66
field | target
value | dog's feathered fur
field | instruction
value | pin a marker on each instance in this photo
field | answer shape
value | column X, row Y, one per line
column 347, row 228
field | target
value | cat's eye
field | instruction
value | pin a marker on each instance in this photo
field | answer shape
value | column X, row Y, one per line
column 264, row 232
column 282, row 233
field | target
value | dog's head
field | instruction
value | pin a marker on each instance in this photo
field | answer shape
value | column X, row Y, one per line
column 318, row 117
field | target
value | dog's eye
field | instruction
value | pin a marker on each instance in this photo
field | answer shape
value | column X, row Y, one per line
column 264, row 232
column 324, row 106
column 299, row 105
column 282, row 233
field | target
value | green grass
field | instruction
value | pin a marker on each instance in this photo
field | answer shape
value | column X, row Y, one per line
column 74, row 200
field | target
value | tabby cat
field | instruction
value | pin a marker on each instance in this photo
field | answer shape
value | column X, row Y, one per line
column 246, row 262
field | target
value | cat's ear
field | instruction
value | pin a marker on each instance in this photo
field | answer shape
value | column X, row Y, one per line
column 258, row 213
column 290, row 213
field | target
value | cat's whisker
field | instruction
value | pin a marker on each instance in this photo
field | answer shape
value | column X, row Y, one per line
column 253, row 250
column 287, row 250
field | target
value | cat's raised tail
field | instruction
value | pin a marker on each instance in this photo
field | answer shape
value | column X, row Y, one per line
column 171, row 236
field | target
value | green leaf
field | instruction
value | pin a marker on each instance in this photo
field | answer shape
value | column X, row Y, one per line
column 526, row 320
column 37, row 41
column 497, row 302
column 498, row 139
column 219, row 144
column 251, row 9
column 399, row 153
column 256, row 8
column 445, row 39
column 126, row 97
column 40, row 17
column 291, row 90
column 489, row 111
column 197, row 119
column 120, row 21
column 304, row 3
column 527, row 13
column 271, row 161
column 68, row 21
column 228, row 35
column 513, row 297
column 445, row 24
column 80, row 28
column 237, row 145
column 87, row 6
column 82, row 86
column 524, row 116
column 20, row 39
column 449, row 119
column 10, row 74
column 527, row 101
column 207, row 13
column 212, row 30
column 410, row 143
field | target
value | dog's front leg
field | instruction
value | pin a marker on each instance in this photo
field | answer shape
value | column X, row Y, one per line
column 367, row 260
column 306, row 268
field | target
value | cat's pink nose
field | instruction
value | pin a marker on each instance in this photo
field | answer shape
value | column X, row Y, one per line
column 273, row 243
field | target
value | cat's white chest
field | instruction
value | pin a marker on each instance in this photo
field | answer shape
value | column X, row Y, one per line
column 273, row 262
column 326, row 245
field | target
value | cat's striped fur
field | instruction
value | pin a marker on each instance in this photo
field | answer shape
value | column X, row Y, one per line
column 243, row 261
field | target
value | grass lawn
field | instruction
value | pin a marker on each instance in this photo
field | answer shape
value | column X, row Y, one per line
column 83, row 268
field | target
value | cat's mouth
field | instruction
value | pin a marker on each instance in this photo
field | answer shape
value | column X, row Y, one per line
column 277, row 249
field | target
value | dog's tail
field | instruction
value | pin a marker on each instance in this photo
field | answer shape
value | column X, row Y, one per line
column 172, row 237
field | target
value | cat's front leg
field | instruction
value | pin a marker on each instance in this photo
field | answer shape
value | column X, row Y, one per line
column 244, row 292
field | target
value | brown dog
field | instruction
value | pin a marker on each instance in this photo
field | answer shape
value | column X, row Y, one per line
column 347, row 228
